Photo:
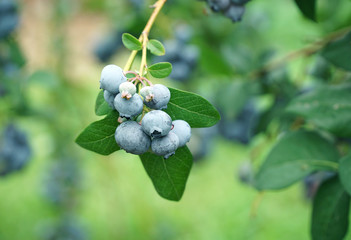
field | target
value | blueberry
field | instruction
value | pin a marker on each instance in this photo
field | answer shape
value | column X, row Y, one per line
column 128, row 108
column 183, row 33
column 109, row 98
column 240, row 2
column 235, row 12
column 127, row 90
column 218, row 5
column 146, row 93
column 180, row 71
column 156, row 123
column 111, row 77
column 161, row 97
column 130, row 137
column 190, row 54
column 165, row 146
column 15, row 151
column 8, row 23
column 182, row 130
column 7, row 6
column 109, row 44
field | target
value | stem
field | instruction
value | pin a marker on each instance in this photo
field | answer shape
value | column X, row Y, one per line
column 143, row 58
column 306, row 51
column 158, row 6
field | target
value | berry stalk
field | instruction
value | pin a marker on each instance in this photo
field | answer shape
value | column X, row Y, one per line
column 144, row 36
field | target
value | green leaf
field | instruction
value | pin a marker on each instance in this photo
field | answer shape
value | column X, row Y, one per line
column 160, row 70
column 339, row 52
column 328, row 107
column 192, row 108
column 345, row 172
column 308, row 8
column 101, row 106
column 156, row 47
column 330, row 214
column 99, row 136
column 294, row 157
column 131, row 42
column 169, row 176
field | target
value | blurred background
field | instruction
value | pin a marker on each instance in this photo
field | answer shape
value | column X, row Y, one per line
column 51, row 56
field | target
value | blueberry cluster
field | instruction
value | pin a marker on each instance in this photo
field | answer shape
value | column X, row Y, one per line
column 242, row 127
column 8, row 17
column 182, row 55
column 15, row 151
column 143, row 123
column 233, row 9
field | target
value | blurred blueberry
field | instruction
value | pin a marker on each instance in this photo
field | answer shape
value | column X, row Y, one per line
column 9, row 18
column 15, row 151
column 108, row 46
column 242, row 127
column 67, row 229
column 201, row 142
column 61, row 181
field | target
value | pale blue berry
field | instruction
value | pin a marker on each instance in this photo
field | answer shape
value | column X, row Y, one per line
column 182, row 130
column 109, row 98
column 165, row 146
column 161, row 97
column 111, row 77
column 128, row 108
column 156, row 123
column 130, row 137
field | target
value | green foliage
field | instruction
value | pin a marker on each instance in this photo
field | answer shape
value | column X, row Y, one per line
column 330, row 215
column 192, row 108
column 339, row 52
column 99, row 136
column 169, row 176
column 160, row 70
column 101, row 106
column 156, row 47
column 308, row 8
column 131, row 42
column 328, row 107
column 345, row 172
column 295, row 156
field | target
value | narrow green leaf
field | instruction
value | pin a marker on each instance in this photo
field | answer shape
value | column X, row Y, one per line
column 192, row 108
column 156, row 47
column 328, row 107
column 339, row 52
column 345, row 172
column 101, row 106
column 308, row 8
column 99, row 136
column 160, row 70
column 330, row 214
column 131, row 42
column 169, row 176
column 294, row 157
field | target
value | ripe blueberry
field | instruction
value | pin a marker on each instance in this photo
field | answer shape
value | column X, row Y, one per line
column 130, row 137
column 156, row 123
column 182, row 130
column 109, row 98
column 161, row 97
column 165, row 146
column 235, row 12
column 111, row 77
column 128, row 108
